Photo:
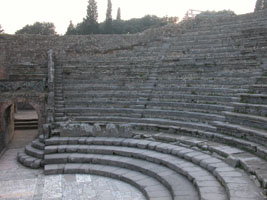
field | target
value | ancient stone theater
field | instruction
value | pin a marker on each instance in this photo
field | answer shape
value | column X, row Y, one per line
column 178, row 105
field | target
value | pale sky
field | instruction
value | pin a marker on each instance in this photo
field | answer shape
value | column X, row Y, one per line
column 15, row 14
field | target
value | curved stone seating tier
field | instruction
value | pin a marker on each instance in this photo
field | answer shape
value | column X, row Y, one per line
column 156, row 105
column 235, row 156
column 164, row 162
column 150, row 187
column 253, row 109
column 223, row 81
column 33, row 154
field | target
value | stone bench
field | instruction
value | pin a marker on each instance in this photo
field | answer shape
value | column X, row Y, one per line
column 242, row 131
column 151, row 188
column 253, row 109
column 144, row 122
column 253, row 98
column 156, row 105
column 146, row 113
column 167, row 177
column 165, row 154
column 253, row 121
column 187, row 98
column 234, row 155
column 259, row 88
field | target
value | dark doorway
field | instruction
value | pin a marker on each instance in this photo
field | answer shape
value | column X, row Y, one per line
column 25, row 125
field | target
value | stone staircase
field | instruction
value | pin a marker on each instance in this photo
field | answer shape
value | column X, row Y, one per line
column 163, row 163
column 59, row 95
column 248, row 121
column 33, row 154
column 21, row 124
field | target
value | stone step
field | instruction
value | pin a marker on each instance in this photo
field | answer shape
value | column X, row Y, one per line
column 258, row 136
column 252, row 121
column 259, row 89
column 252, row 164
column 186, row 80
column 41, row 138
column 147, row 113
column 59, row 102
column 166, row 154
column 60, row 119
column 140, row 122
column 156, row 105
column 29, row 161
column 38, row 145
column 164, row 90
column 37, row 153
column 262, row 80
column 151, row 188
column 175, row 98
column 26, row 126
column 253, row 109
column 167, row 177
column 21, row 124
column 253, row 98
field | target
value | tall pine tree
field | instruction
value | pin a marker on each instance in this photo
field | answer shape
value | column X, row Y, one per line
column 1, row 29
column 108, row 22
column 259, row 5
column 90, row 23
column 71, row 29
column 118, row 14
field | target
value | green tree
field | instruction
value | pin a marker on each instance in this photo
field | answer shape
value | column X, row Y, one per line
column 71, row 29
column 118, row 14
column 90, row 23
column 108, row 22
column 259, row 5
column 1, row 29
column 44, row 28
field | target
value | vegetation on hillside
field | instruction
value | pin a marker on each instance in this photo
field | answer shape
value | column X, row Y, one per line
column 117, row 26
column 38, row 28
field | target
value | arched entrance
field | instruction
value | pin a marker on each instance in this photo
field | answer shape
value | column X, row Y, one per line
column 33, row 109
column 25, row 125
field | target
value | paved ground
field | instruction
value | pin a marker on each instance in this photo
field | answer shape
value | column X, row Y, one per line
column 20, row 183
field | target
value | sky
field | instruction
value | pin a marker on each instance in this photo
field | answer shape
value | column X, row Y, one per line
column 15, row 14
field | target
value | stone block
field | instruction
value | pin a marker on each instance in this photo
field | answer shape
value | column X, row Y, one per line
column 112, row 130
column 75, row 130
column 96, row 130
column 125, row 131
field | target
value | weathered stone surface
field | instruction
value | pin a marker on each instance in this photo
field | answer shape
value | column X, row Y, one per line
column 112, row 130
column 96, row 129
column 75, row 130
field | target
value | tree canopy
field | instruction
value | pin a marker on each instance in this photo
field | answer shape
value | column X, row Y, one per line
column 1, row 29
column 108, row 22
column 40, row 28
column 90, row 24
column 71, row 29
column 118, row 14
column 260, row 5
